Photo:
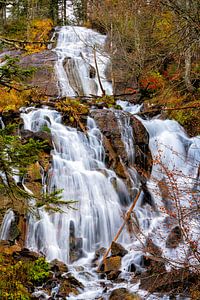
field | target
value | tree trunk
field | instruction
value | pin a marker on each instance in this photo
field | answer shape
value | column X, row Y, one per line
column 187, row 77
column 2, row 14
column 188, row 55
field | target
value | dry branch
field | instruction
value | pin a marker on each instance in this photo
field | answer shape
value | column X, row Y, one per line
column 127, row 216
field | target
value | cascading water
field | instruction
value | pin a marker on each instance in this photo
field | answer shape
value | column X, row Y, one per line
column 78, row 169
column 76, row 69
column 174, row 186
column 5, row 228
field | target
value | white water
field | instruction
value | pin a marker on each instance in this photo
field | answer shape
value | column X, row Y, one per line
column 77, row 168
column 6, row 223
column 75, row 68
column 176, row 163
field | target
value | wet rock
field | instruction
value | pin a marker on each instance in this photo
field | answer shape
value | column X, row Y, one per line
column 132, row 268
column 58, row 267
column 75, row 244
column 14, row 232
column 100, row 252
column 111, row 264
column 70, row 285
column 50, row 284
column 79, row 268
column 92, row 72
column 116, row 155
column 153, row 261
column 174, row 238
column 124, row 294
column 118, row 250
column 113, row 275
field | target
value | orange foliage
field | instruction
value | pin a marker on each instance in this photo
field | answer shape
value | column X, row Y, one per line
column 12, row 100
column 153, row 82
column 39, row 31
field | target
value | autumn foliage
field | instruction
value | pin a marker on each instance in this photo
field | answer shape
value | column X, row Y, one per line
column 39, row 31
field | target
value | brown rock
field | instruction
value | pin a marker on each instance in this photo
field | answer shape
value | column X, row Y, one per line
column 165, row 281
column 40, row 136
column 44, row 77
column 70, row 285
column 58, row 266
column 118, row 250
column 124, row 294
column 100, row 252
column 116, row 156
column 153, row 261
column 113, row 275
column 111, row 264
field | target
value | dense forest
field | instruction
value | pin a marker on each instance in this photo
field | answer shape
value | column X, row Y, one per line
column 151, row 59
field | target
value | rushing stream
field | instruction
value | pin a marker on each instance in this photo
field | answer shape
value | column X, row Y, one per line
column 78, row 169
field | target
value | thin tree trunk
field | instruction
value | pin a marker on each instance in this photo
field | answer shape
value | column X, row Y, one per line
column 187, row 77
column 127, row 216
column 98, row 76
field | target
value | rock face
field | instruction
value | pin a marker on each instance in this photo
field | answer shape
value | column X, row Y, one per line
column 116, row 154
column 44, row 77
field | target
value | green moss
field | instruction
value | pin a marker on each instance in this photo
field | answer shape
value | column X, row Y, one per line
column 16, row 277
column 38, row 271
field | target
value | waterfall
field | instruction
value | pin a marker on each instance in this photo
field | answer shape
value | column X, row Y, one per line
column 174, row 184
column 76, row 68
column 78, row 169
column 6, row 223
